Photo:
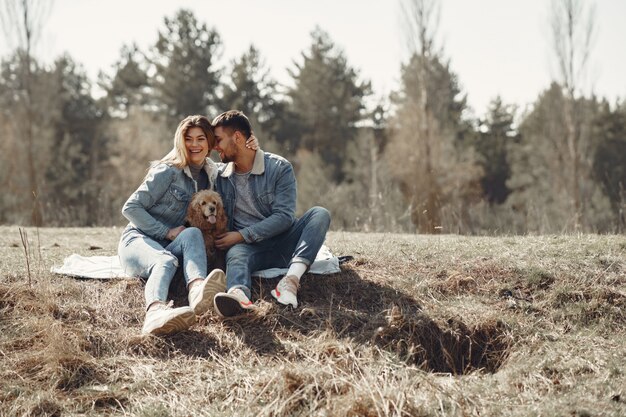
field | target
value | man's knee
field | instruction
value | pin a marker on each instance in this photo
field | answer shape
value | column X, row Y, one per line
column 320, row 216
column 238, row 253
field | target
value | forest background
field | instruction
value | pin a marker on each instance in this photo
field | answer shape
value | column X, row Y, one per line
column 415, row 161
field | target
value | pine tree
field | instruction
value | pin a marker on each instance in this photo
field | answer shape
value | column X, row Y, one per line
column 326, row 101
column 250, row 88
column 494, row 134
column 609, row 160
column 129, row 85
column 186, row 78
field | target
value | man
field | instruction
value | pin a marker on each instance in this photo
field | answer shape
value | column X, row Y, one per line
column 259, row 193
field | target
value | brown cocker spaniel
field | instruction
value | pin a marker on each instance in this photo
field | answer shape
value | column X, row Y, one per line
column 206, row 212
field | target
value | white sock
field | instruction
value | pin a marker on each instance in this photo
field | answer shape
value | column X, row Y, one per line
column 297, row 269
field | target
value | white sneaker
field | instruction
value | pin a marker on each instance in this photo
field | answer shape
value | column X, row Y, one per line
column 231, row 303
column 286, row 292
column 163, row 319
column 201, row 295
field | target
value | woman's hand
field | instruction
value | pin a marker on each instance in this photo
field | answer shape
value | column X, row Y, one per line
column 252, row 143
column 172, row 233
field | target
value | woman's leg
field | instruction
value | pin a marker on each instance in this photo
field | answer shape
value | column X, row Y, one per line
column 144, row 257
column 188, row 247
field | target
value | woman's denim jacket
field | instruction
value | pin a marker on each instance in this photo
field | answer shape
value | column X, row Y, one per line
column 160, row 203
column 274, row 184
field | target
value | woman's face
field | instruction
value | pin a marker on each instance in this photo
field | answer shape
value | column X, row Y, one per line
column 197, row 145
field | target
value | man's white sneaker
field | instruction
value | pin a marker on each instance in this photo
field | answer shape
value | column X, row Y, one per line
column 286, row 292
column 231, row 303
column 201, row 295
column 163, row 319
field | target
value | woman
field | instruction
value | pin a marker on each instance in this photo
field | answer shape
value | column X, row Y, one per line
column 155, row 241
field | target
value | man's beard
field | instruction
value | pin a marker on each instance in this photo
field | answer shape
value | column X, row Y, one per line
column 228, row 155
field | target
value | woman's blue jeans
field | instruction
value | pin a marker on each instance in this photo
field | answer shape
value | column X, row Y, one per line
column 298, row 244
column 144, row 257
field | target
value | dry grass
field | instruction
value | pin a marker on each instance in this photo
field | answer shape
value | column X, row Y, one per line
column 413, row 326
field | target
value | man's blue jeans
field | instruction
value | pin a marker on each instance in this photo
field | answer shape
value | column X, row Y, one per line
column 298, row 244
column 144, row 257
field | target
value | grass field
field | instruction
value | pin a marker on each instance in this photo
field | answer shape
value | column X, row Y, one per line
column 413, row 326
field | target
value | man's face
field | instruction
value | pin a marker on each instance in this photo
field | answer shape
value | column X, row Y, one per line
column 225, row 144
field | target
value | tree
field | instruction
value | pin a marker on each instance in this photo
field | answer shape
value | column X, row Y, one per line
column 23, row 22
column 186, row 78
column 495, row 132
column 79, row 149
column 425, row 153
column 327, row 101
column 26, row 125
column 572, row 24
column 250, row 88
column 541, row 168
column 609, row 161
column 129, row 85
column 151, row 138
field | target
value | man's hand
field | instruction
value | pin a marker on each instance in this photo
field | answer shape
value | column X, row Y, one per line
column 172, row 233
column 228, row 239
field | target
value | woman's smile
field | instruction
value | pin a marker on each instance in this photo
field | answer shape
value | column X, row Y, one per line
column 197, row 145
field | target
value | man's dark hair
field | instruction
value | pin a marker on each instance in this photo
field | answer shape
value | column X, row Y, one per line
column 233, row 120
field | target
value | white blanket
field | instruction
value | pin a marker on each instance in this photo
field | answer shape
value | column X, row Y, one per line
column 107, row 267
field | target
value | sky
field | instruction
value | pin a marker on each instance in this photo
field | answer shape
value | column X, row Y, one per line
column 496, row 47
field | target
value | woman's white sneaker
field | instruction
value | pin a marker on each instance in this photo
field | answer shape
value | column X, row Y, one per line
column 163, row 319
column 201, row 295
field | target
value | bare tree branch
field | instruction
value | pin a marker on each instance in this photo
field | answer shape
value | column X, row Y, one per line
column 23, row 21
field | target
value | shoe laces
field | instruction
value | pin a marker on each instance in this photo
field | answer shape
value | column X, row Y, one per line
column 164, row 306
column 289, row 283
column 238, row 292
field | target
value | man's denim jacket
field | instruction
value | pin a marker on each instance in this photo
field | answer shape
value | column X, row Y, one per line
column 160, row 203
column 273, row 183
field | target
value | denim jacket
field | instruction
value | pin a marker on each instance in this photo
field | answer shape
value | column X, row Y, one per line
column 160, row 203
column 274, row 184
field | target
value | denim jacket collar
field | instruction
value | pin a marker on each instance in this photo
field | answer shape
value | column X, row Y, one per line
column 258, row 167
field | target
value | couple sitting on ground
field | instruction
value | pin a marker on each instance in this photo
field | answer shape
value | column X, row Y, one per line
column 259, row 195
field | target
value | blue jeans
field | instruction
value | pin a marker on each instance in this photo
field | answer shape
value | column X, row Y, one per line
column 144, row 257
column 298, row 244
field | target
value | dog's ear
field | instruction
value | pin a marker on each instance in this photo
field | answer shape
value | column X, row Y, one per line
column 194, row 217
column 222, row 220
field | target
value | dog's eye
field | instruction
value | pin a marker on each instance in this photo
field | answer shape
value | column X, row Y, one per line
column 203, row 203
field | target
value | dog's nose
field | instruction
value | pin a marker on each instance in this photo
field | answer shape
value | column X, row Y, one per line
column 212, row 209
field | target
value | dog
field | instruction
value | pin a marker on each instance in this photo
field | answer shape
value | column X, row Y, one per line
column 206, row 212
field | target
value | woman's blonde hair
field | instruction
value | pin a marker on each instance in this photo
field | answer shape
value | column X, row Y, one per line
column 178, row 155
